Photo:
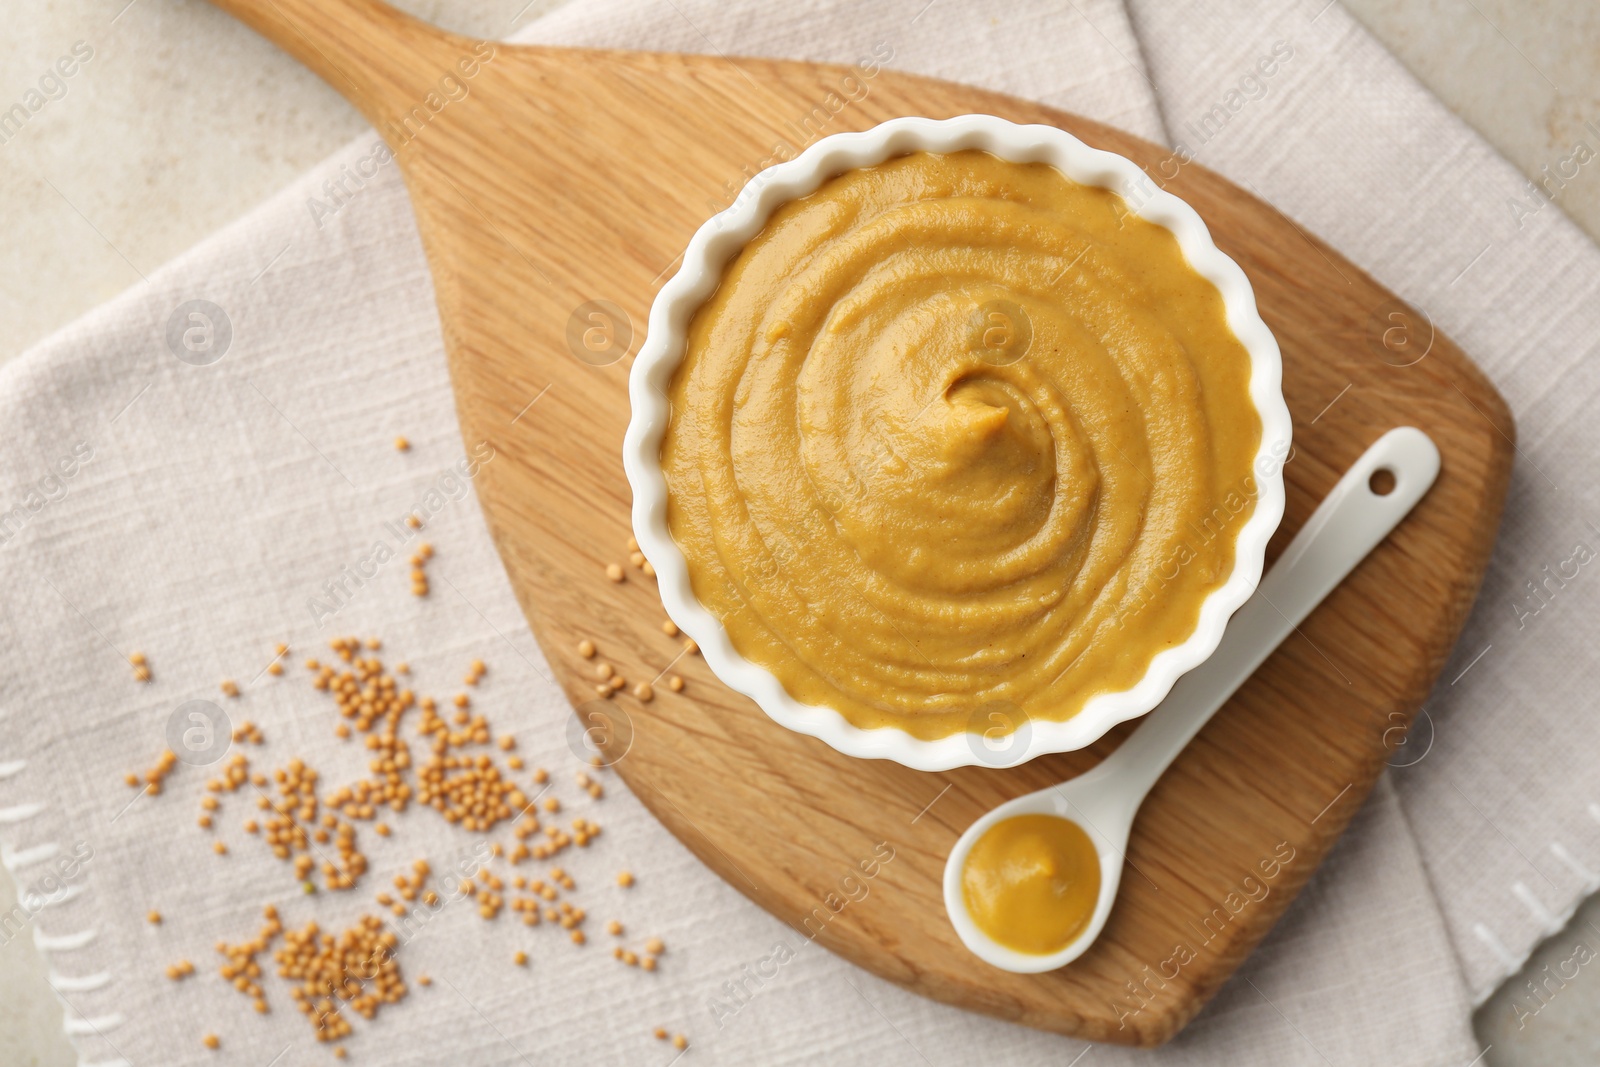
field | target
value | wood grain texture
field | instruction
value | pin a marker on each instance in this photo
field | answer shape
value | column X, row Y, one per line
column 548, row 178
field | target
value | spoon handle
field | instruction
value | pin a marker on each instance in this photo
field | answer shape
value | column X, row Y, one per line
column 1345, row 527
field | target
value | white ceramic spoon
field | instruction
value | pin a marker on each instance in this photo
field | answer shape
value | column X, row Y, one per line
column 1347, row 525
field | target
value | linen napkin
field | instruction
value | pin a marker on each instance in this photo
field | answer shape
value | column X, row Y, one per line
column 185, row 487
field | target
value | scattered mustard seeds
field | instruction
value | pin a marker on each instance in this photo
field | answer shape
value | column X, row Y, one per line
column 155, row 775
column 467, row 788
column 614, row 572
column 402, row 445
column 357, row 967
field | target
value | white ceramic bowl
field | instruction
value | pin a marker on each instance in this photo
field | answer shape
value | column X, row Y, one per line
column 721, row 238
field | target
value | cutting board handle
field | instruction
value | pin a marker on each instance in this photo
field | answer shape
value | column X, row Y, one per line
column 381, row 60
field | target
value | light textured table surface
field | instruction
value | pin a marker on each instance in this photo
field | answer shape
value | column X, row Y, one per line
column 181, row 120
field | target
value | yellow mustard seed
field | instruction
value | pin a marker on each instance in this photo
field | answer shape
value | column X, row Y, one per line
column 614, row 572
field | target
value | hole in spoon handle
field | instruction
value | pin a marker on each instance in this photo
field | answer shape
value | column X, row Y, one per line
column 1346, row 526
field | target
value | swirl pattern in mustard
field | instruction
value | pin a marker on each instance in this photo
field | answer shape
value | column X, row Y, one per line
column 955, row 433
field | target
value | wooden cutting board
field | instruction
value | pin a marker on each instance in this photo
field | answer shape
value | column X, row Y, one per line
column 552, row 186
